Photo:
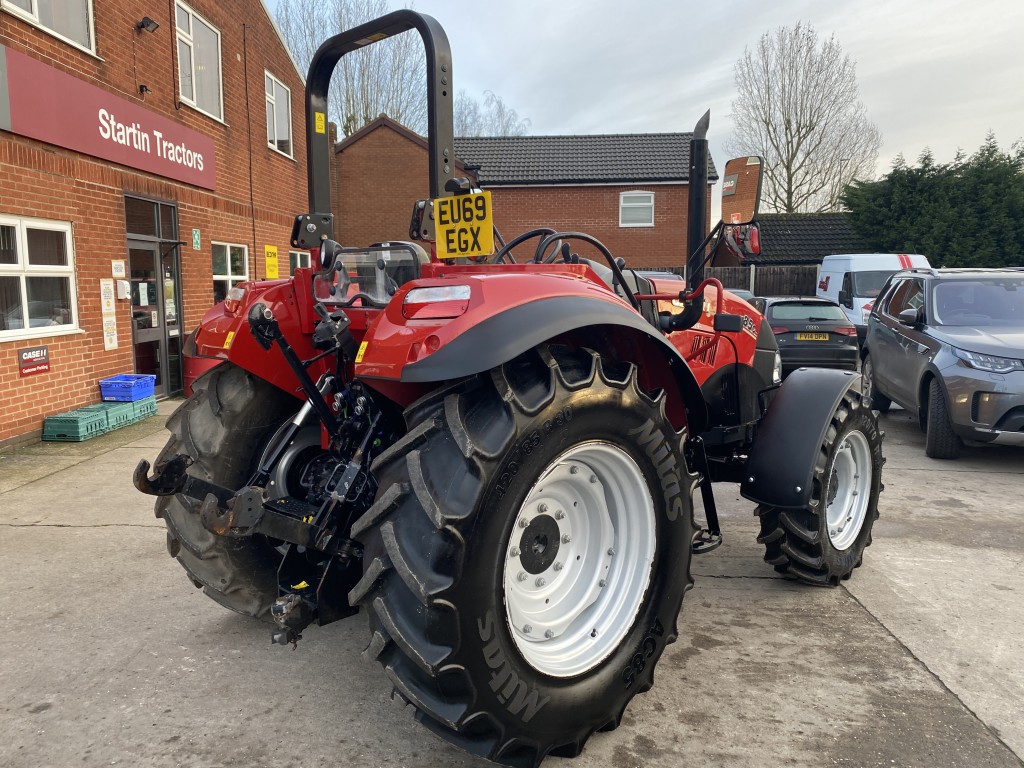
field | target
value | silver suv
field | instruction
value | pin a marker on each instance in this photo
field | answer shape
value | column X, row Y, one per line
column 948, row 345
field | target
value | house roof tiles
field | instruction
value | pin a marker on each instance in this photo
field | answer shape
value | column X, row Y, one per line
column 585, row 159
column 802, row 238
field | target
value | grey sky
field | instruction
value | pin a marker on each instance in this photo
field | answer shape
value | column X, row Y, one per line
column 932, row 73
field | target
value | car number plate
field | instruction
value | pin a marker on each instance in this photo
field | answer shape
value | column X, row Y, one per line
column 464, row 225
column 812, row 337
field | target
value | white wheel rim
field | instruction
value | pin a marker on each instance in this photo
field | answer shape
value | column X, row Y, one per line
column 578, row 561
column 849, row 490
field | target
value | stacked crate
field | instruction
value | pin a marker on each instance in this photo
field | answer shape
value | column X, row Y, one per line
column 128, row 398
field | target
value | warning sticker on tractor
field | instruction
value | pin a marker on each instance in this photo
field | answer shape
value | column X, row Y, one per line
column 464, row 225
column 320, row 122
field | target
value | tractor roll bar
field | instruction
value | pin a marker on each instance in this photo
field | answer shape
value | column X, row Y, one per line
column 440, row 98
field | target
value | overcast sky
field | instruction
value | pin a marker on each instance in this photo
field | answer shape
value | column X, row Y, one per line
column 932, row 73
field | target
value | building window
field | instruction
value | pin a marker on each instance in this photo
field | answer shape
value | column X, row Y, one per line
column 199, row 80
column 230, row 267
column 279, row 115
column 297, row 259
column 37, row 278
column 636, row 209
column 70, row 20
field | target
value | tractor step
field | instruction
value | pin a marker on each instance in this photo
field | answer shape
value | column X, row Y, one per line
column 705, row 541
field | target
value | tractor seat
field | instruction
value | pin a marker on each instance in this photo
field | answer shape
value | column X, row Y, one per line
column 634, row 283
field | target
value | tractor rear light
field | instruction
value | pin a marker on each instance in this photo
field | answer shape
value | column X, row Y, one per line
column 437, row 303
column 234, row 299
column 779, row 329
column 754, row 242
column 846, row 330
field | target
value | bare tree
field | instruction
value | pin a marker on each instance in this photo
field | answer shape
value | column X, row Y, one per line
column 798, row 107
column 387, row 78
column 493, row 118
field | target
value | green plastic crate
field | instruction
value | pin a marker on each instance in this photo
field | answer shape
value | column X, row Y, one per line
column 75, row 426
column 143, row 408
column 119, row 414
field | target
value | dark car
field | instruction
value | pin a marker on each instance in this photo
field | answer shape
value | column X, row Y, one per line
column 811, row 332
column 948, row 345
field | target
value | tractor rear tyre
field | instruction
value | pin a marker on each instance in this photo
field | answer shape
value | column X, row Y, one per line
column 223, row 427
column 527, row 554
column 822, row 543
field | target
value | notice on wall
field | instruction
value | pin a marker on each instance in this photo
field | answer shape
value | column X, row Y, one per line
column 110, row 333
column 270, row 255
column 107, row 296
column 33, row 360
column 117, row 268
column 197, row 242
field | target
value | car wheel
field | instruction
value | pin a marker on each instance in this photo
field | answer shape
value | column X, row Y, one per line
column 941, row 442
column 876, row 399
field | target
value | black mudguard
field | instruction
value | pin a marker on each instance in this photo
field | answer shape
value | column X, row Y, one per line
column 780, row 464
column 502, row 337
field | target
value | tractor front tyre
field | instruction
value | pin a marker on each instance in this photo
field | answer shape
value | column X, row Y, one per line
column 822, row 543
column 223, row 426
column 528, row 552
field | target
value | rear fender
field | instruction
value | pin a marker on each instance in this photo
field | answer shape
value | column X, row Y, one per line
column 224, row 334
column 487, row 336
column 780, row 464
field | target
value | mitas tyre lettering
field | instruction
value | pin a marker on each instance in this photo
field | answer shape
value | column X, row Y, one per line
column 519, row 699
column 489, row 467
column 647, row 649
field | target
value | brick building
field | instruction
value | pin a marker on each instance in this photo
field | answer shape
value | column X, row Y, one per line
column 628, row 191
column 151, row 156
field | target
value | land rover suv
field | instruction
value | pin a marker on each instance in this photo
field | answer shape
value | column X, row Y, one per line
column 948, row 345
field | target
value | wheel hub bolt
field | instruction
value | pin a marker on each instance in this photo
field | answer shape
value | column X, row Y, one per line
column 558, row 566
column 514, row 552
column 542, row 508
column 523, row 576
column 559, row 515
column 549, row 633
column 566, row 538
column 523, row 522
column 541, row 581
column 602, row 583
column 527, row 628
column 593, row 478
column 611, row 551
column 574, row 470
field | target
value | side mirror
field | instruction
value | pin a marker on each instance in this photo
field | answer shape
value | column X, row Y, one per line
column 759, row 304
column 846, row 299
column 742, row 240
column 909, row 317
column 741, row 190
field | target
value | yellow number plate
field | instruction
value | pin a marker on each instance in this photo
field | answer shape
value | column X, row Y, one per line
column 812, row 337
column 464, row 225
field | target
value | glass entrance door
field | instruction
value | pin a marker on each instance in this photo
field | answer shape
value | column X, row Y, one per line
column 156, row 313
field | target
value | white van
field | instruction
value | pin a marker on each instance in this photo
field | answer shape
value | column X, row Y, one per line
column 853, row 280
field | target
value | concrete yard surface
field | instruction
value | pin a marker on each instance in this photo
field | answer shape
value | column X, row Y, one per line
column 112, row 657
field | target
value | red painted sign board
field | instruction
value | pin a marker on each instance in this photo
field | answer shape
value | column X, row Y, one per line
column 49, row 105
column 32, row 360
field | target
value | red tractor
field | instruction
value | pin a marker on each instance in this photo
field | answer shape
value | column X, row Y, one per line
column 494, row 458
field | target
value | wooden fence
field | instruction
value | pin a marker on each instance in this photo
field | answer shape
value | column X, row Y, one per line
column 769, row 280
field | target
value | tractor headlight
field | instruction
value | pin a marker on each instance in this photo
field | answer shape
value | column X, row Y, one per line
column 436, row 303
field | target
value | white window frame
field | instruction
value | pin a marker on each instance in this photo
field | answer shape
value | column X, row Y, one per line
column 230, row 279
column 623, row 205
column 187, row 39
column 23, row 269
column 272, row 101
column 32, row 17
column 298, row 259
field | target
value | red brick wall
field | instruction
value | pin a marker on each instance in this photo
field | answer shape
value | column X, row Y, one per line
column 382, row 173
column 42, row 181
